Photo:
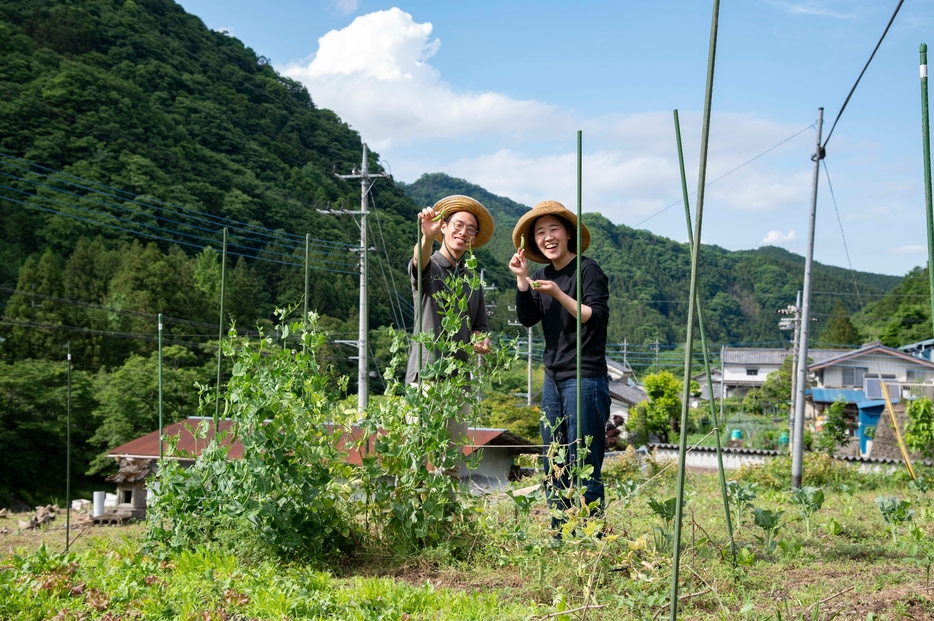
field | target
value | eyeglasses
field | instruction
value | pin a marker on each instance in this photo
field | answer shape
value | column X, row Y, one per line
column 466, row 228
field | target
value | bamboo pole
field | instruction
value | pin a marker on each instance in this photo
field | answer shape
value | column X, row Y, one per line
column 898, row 433
column 68, row 458
column 579, row 440
column 692, row 299
column 703, row 339
column 307, row 289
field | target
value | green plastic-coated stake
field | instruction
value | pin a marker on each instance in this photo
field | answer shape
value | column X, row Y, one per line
column 703, row 339
column 579, row 440
column 692, row 302
column 926, row 142
column 307, row 287
column 418, row 307
column 220, row 336
column 160, row 387
column 68, row 457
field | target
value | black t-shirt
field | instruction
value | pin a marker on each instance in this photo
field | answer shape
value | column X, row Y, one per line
column 560, row 326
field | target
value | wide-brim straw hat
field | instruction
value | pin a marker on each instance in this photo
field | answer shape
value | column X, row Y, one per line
column 546, row 208
column 450, row 205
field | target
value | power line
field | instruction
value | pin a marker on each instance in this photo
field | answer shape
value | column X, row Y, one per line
column 842, row 234
column 680, row 201
column 852, row 90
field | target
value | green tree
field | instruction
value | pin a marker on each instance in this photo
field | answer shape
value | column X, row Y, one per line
column 835, row 432
column 663, row 406
column 33, row 415
column 129, row 398
column 839, row 331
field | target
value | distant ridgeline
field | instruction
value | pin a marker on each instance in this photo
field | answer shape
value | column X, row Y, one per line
column 141, row 133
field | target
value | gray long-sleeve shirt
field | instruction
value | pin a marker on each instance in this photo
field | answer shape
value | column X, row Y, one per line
column 433, row 276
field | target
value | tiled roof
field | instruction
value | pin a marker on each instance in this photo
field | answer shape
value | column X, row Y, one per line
column 872, row 348
column 626, row 393
column 772, row 356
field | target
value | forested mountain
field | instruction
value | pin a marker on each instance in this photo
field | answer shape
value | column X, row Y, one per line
column 131, row 135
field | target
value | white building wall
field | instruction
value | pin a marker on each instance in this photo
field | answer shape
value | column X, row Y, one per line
column 737, row 373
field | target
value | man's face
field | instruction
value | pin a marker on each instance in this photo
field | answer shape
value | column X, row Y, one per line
column 551, row 237
column 459, row 231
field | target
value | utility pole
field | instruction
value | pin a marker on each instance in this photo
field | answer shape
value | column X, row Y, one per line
column 656, row 355
column 792, row 324
column 365, row 184
column 797, row 441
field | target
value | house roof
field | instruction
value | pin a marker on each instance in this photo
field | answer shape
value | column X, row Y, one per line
column 770, row 356
column 147, row 446
column 871, row 348
column 631, row 395
column 829, row 395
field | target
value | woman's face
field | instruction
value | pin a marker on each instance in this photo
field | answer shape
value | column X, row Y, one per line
column 551, row 237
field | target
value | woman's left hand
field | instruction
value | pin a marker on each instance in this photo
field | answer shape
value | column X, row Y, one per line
column 548, row 287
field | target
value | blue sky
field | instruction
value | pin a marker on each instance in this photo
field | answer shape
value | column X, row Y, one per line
column 493, row 92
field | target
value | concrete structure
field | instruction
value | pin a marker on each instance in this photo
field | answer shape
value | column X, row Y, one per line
column 131, row 490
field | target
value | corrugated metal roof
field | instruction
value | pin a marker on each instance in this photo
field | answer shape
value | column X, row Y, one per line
column 746, row 451
column 771, row 356
column 148, row 445
column 829, row 395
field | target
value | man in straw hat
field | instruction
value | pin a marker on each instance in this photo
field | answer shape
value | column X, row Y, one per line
column 460, row 223
column 548, row 234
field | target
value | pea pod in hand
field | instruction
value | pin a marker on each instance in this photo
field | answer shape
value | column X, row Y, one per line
column 439, row 216
column 522, row 243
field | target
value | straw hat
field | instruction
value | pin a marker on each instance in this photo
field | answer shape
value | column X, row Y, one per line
column 452, row 204
column 546, row 208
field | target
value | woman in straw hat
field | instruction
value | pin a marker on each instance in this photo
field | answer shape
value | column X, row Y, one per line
column 547, row 234
column 460, row 223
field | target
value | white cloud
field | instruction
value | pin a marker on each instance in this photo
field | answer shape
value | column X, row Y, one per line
column 345, row 7
column 810, row 8
column 909, row 249
column 375, row 74
column 777, row 238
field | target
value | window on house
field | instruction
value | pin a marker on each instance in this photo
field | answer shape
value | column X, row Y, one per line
column 752, row 371
column 853, row 376
column 916, row 375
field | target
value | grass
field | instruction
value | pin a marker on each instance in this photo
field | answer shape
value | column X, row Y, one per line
column 510, row 569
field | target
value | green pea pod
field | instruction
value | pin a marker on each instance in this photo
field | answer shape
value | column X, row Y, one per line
column 522, row 243
column 439, row 216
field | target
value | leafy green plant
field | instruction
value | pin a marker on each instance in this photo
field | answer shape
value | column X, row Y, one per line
column 833, row 527
column 919, row 430
column 809, row 500
column 414, row 466
column 895, row 512
column 770, row 523
column 666, row 510
column 292, row 489
column 740, row 496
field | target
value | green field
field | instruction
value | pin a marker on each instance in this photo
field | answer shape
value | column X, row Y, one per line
column 504, row 564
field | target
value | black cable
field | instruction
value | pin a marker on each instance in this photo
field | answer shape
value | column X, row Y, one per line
column 681, row 201
column 842, row 234
column 852, row 90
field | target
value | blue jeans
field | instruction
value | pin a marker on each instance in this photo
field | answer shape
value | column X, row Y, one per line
column 559, row 404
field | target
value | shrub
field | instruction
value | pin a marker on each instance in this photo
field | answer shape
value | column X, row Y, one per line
column 818, row 470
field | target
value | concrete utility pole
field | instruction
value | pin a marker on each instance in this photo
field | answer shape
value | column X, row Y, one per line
column 792, row 324
column 797, row 452
column 365, row 184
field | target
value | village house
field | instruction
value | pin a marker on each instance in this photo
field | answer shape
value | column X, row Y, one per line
column 138, row 458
